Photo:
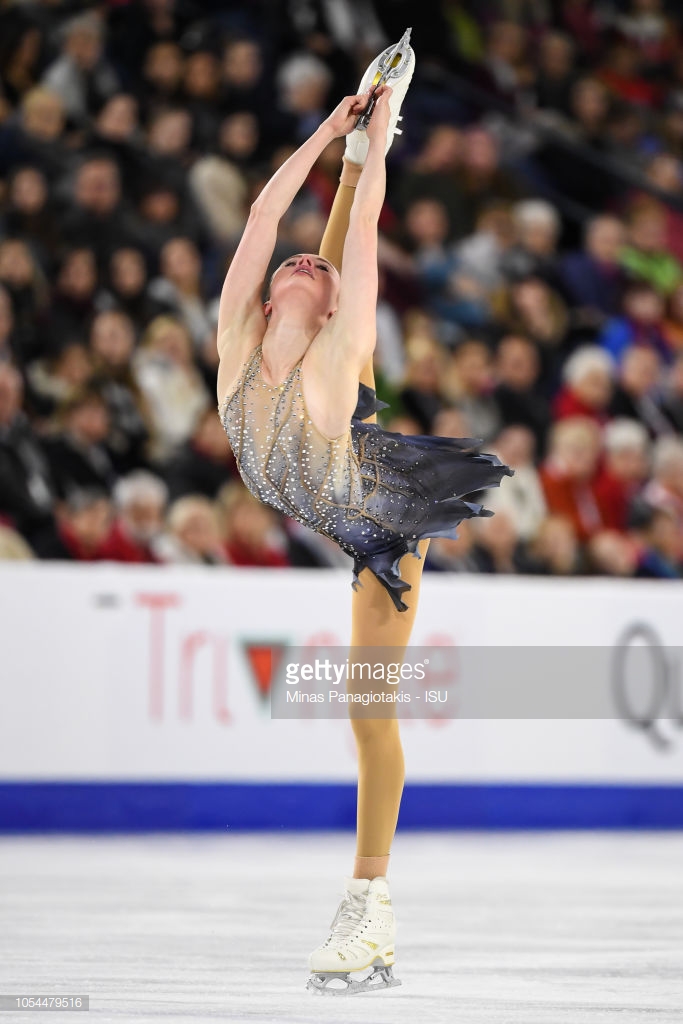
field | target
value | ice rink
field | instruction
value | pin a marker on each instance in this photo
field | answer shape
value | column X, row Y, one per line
column 493, row 928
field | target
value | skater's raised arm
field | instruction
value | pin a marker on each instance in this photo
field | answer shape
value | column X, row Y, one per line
column 241, row 294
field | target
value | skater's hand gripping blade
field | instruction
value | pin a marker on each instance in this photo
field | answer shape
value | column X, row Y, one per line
column 341, row 983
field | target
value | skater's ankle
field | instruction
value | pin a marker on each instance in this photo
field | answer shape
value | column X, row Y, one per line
column 371, row 867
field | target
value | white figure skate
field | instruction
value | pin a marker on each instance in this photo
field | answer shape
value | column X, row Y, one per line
column 359, row 953
column 393, row 67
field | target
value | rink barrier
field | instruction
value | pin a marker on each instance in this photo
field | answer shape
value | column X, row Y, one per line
column 139, row 699
column 124, row 807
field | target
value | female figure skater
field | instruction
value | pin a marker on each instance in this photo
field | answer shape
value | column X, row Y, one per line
column 300, row 427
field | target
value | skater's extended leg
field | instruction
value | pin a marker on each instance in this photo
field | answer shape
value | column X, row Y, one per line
column 332, row 244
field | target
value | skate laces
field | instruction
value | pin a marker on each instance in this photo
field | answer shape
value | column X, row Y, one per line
column 348, row 916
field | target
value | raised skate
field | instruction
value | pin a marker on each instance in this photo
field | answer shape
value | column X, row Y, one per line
column 393, row 67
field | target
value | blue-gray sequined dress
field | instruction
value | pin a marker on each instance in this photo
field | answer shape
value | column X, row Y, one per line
column 375, row 493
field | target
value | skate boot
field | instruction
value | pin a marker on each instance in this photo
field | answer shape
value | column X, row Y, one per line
column 393, row 67
column 359, row 953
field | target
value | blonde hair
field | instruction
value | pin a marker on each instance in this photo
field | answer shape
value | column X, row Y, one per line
column 181, row 510
column 13, row 547
column 159, row 326
column 575, row 428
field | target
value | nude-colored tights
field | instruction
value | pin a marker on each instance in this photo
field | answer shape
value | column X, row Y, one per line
column 375, row 623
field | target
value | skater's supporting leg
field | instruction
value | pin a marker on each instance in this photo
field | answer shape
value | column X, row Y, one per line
column 375, row 623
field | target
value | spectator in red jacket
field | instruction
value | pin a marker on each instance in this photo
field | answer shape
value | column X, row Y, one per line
column 140, row 500
column 253, row 536
column 83, row 521
column 624, row 471
column 587, row 388
column 568, row 473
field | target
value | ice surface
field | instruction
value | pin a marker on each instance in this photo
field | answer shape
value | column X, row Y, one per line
column 493, row 928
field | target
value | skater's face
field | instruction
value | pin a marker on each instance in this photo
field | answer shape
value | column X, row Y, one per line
column 305, row 280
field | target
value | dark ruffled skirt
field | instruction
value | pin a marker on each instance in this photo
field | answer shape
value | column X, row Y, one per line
column 414, row 487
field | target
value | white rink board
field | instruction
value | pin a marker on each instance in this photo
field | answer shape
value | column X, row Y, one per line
column 119, row 672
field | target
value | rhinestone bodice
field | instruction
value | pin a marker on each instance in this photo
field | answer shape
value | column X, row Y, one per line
column 375, row 493
column 283, row 458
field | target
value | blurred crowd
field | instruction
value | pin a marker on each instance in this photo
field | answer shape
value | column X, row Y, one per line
column 531, row 267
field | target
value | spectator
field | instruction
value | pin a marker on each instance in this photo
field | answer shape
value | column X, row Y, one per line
column 497, row 547
column 201, row 86
column 246, row 86
column 26, row 485
column 432, row 175
column 480, row 177
column 446, row 554
column 537, row 229
column 13, row 547
column 517, row 370
column 180, row 287
column 194, row 535
column 421, row 395
column 253, row 535
column 32, row 214
column 81, row 76
column 171, row 385
column 642, row 323
column 532, row 309
column 672, row 399
column 128, row 288
column 572, row 167
column 58, row 378
column 73, row 301
column 112, row 343
column 140, row 502
column 638, row 393
column 645, row 256
column 449, row 293
column 205, row 463
column 220, row 191
column 555, row 549
column 162, row 76
column 556, row 75
column 656, row 538
column 672, row 326
column 624, row 471
column 568, row 473
column 20, row 53
column 77, row 454
column 482, row 254
column 587, row 387
column 37, row 136
column 98, row 218
column 304, row 82
column 26, row 284
column 594, row 279
column 83, row 523
column 610, row 553
column 8, row 341
column 665, row 173
column 665, row 489
column 471, row 385
column 522, row 498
